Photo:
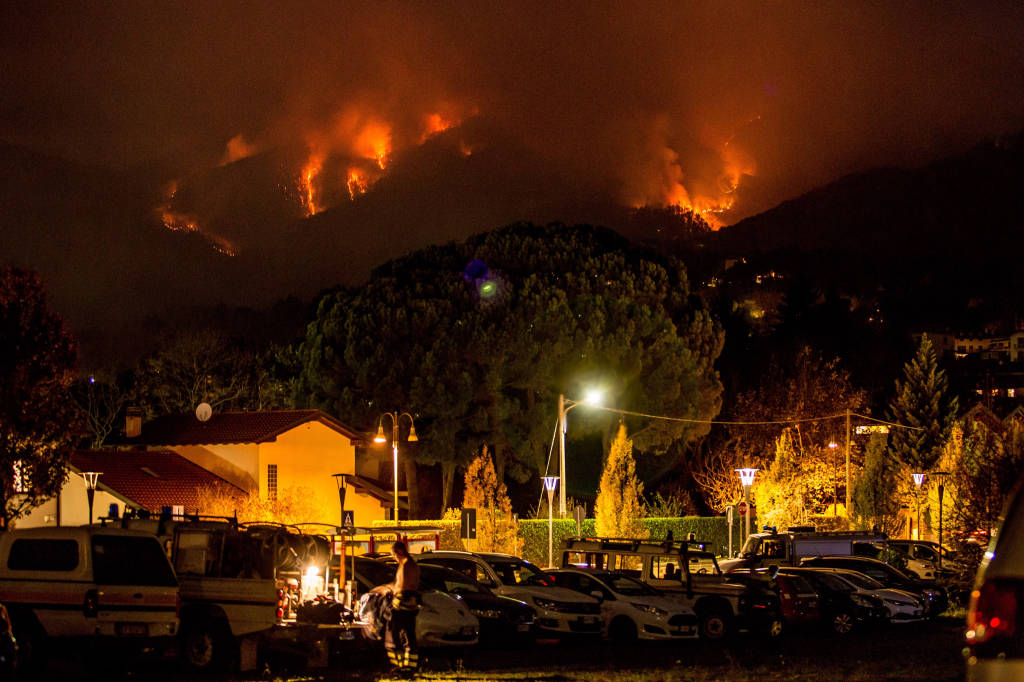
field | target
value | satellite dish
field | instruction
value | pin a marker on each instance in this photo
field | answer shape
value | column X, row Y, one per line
column 204, row 412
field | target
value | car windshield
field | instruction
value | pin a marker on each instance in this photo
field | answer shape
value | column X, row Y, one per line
column 375, row 572
column 623, row 584
column 831, row 582
column 518, row 572
column 701, row 562
column 862, row 581
column 751, row 548
column 449, row 581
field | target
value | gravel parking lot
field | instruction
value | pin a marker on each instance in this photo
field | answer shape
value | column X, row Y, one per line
column 925, row 651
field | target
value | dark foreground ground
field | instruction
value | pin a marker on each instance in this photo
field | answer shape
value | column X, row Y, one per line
column 929, row 651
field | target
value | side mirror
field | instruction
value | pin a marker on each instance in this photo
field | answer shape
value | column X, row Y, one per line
column 597, row 594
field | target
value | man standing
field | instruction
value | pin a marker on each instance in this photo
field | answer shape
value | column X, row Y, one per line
column 400, row 636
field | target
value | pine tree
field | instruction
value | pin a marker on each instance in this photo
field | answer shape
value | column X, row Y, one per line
column 496, row 529
column 923, row 401
column 875, row 496
column 619, row 506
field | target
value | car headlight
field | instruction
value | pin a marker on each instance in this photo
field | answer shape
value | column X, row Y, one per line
column 486, row 613
column 548, row 604
column 861, row 600
column 647, row 608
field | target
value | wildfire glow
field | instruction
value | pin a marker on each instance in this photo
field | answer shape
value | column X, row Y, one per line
column 237, row 149
column 307, row 183
column 182, row 222
column 357, row 183
column 374, row 143
column 435, row 123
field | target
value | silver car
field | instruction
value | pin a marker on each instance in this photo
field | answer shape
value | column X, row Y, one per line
column 995, row 617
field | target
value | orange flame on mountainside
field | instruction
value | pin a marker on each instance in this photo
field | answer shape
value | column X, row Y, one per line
column 374, row 142
column 306, row 183
column 182, row 222
column 237, row 149
column 357, row 183
column 435, row 123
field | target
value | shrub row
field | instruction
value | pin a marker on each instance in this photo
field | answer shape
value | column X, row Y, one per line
column 712, row 530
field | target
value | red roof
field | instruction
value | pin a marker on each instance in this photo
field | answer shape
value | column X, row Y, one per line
column 152, row 479
column 232, row 427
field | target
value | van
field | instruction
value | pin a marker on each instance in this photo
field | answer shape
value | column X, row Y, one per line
column 788, row 548
column 88, row 581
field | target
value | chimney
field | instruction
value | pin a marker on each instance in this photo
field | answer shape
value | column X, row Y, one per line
column 133, row 422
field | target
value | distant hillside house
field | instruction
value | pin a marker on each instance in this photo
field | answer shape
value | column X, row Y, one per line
column 273, row 451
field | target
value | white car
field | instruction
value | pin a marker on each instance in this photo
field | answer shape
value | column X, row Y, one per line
column 903, row 606
column 631, row 609
column 923, row 558
column 444, row 620
column 995, row 616
column 560, row 612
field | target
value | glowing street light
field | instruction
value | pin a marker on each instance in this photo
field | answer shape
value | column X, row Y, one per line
column 747, row 479
column 92, row 479
column 593, row 397
column 918, row 480
column 550, row 483
column 381, row 438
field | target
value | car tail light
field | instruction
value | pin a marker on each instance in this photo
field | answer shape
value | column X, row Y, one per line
column 992, row 612
column 91, row 604
column 280, row 605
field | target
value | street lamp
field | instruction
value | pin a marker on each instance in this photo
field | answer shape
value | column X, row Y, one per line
column 918, row 480
column 339, row 479
column 381, row 438
column 942, row 489
column 550, row 483
column 593, row 397
column 835, row 484
column 747, row 479
column 92, row 479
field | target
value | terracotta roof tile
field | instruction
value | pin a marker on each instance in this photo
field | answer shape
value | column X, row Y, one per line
column 231, row 427
column 151, row 479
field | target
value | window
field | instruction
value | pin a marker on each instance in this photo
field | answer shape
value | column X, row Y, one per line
column 130, row 560
column 43, row 555
column 271, row 481
column 665, row 568
column 631, row 564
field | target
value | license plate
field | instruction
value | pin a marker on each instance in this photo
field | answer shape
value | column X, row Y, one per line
column 684, row 631
column 468, row 630
column 523, row 627
column 131, row 630
column 587, row 620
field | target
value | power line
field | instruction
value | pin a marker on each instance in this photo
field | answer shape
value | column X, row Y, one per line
column 751, row 423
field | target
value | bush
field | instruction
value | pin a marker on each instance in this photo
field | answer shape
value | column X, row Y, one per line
column 712, row 530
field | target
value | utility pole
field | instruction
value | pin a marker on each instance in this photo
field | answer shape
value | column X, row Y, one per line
column 847, row 465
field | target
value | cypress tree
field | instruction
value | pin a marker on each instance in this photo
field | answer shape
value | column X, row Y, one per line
column 619, row 508
column 923, row 401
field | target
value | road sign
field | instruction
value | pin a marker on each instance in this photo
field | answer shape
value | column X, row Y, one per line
column 742, row 508
column 468, row 523
column 348, row 518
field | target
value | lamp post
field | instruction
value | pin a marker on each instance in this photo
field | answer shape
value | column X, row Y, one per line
column 564, row 405
column 942, row 489
column 747, row 479
column 918, row 480
column 550, row 483
column 381, row 438
column 92, row 479
column 835, row 483
column 339, row 479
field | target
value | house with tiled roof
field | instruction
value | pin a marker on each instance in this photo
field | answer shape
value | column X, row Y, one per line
column 151, row 480
column 269, row 452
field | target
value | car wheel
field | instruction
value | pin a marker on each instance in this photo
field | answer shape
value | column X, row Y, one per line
column 714, row 625
column 842, row 623
column 205, row 646
column 622, row 629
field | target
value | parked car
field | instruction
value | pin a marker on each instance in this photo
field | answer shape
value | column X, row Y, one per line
column 902, row 606
column 8, row 645
column 797, row 599
column 631, row 609
column 693, row 575
column 503, row 620
column 104, row 585
column 842, row 607
column 995, row 616
column 936, row 598
column 560, row 612
column 443, row 620
column 922, row 558
column 787, row 548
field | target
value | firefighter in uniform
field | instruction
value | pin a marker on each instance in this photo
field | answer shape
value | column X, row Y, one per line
column 400, row 636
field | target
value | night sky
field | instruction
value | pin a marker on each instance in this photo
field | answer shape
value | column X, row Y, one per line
column 363, row 114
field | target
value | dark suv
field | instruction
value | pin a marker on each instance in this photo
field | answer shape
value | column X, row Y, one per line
column 935, row 596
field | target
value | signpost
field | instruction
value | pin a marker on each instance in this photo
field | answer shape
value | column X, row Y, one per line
column 579, row 513
column 728, row 518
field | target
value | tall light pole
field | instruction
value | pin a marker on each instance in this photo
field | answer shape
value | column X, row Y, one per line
column 92, row 479
column 918, row 480
column 564, row 405
column 941, row 490
column 747, row 479
column 835, row 483
column 550, row 483
column 395, row 417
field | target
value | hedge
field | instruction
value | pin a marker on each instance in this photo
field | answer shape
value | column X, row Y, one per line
column 712, row 530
